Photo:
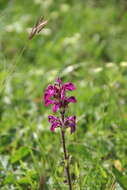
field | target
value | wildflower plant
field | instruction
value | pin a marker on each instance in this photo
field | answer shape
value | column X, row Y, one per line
column 56, row 95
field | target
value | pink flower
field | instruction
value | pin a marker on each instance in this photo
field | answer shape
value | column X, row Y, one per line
column 69, row 86
column 55, row 122
column 56, row 95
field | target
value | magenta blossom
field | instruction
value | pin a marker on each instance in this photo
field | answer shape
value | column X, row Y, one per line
column 68, row 122
column 56, row 95
column 55, row 122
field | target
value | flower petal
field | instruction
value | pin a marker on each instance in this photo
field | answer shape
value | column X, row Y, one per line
column 56, row 107
column 62, row 94
column 73, row 128
column 71, row 122
column 52, row 118
column 69, row 86
column 47, row 95
column 71, row 118
column 71, row 99
column 53, row 126
column 50, row 90
column 48, row 102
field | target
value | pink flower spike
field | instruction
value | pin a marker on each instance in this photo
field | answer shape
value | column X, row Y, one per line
column 69, row 86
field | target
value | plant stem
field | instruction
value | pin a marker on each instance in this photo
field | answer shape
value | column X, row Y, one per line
column 66, row 158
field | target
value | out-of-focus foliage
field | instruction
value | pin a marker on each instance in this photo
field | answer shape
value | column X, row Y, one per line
column 84, row 42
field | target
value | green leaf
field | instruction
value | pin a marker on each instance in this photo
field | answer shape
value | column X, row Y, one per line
column 19, row 154
column 121, row 179
column 77, row 172
column 10, row 179
column 24, row 180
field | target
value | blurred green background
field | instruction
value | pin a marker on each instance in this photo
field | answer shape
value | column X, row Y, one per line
column 85, row 42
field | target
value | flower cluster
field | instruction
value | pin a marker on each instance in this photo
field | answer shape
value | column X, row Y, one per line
column 57, row 122
column 56, row 95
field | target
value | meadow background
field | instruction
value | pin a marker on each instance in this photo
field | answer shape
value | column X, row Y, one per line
column 85, row 42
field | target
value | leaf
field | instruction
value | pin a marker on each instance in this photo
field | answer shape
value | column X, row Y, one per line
column 10, row 179
column 19, row 154
column 77, row 172
column 121, row 179
column 24, row 180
